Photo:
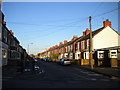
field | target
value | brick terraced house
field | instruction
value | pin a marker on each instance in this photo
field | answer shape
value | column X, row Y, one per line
column 106, row 47
column 12, row 51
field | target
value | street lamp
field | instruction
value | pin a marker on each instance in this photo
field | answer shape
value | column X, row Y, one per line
column 28, row 47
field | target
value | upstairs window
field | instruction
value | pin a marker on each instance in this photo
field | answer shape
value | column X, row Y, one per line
column 88, row 44
column 82, row 44
column 78, row 45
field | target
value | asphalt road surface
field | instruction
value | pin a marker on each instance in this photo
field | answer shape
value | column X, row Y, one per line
column 53, row 75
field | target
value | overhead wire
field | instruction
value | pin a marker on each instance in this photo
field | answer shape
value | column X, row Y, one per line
column 80, row 20
column 70, row 24
column 106, row 12
column 60, row 29
column 97, row 8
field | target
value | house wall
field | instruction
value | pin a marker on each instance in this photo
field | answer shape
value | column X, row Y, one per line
column 0, row 53
column 77, row 55
column 106, row 38
column 4, row 54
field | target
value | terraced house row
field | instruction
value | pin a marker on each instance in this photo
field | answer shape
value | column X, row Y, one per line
column 106, row 47
column 12, row 51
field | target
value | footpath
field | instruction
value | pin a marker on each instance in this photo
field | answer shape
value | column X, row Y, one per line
column 27, row 70
column 107, row 71
column 8, row 70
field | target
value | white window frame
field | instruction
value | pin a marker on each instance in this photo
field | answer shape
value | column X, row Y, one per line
column 71, row 48
column 88, row 44
column 78, row 45
column 82, row 44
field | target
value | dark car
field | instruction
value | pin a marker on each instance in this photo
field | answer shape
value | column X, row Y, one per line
column 64, row 61
column 59, row 61
column 48, row 59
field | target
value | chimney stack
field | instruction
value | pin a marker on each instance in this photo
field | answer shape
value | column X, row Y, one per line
column 65, row 41
column 74, row 37
column 56, row 45
column 4, row 22
column 60, row 43
column 86, row 32
column 11, row 32
column 107, row 23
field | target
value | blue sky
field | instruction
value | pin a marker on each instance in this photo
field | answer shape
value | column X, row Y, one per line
column 46, row 24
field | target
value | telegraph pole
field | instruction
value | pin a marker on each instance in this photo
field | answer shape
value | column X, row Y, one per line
column 91, row 44
column 28, row 47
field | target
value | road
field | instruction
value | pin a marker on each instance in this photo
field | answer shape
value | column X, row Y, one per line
column 53, row 75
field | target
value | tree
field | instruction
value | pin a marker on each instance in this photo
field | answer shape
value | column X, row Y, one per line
column 54, row 56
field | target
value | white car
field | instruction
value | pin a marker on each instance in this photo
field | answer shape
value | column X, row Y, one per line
column 65, row 61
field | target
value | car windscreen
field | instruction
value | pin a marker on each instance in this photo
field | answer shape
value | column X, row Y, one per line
column 66, row 60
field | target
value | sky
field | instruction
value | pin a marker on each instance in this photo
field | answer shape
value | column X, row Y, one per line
column 46, row 24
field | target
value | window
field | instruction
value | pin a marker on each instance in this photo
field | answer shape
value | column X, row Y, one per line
column 113, row 52
column 4, row 53
column 86, row 55
column 83, row 45
column 88, row 44
column 62, row 50
column 68, row 48
column 5, row 36
column 78, row 45
column 71, row 48
column 101, row 55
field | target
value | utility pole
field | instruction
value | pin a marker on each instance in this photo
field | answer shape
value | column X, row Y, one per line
column 28, row 47
column 91, row 44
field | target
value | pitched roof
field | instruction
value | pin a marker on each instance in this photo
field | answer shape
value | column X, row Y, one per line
column 93, row 34
column 80, row 38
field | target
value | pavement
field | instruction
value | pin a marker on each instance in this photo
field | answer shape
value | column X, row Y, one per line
column 26, row 70
column 107, row 71
column 8, row 70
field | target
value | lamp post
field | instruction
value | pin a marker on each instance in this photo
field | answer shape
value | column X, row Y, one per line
column 28, row 47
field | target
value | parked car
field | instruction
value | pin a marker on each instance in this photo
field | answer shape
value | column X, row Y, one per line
column 48, row 59
column 59, row 61
column 64, row 61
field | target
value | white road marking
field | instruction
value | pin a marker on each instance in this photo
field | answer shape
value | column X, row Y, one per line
column 5, row 78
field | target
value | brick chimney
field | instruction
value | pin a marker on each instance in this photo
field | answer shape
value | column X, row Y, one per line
column 74, row 37
column 56, row 45
column 60, row 43
column 4, row 22
column 65, row 41
column 83, row 33
column 86, row 32
column 11, row 32
column 107, row 23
